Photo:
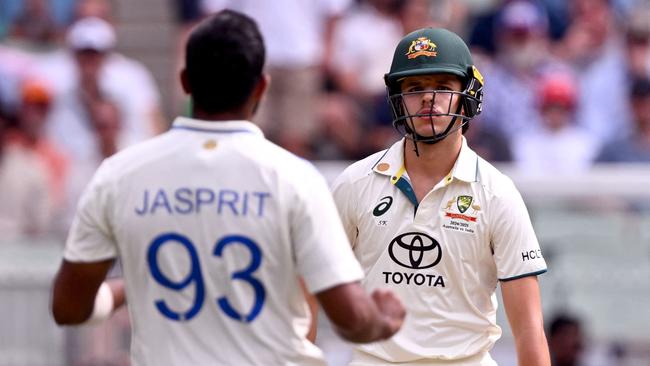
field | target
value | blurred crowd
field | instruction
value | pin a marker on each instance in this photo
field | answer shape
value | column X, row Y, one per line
column 567, row 86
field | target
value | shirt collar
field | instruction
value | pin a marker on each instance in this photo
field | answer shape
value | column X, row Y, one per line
column 240, row 126
column 466, row 166
column 392, row 163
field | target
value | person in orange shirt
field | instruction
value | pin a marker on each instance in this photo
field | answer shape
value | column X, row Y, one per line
column 29, row 133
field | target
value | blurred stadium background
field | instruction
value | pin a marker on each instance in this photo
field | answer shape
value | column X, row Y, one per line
column 567, row 116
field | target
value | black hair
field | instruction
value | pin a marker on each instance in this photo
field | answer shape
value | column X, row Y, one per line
column 223, row 61
column 640, row 88
column 560, row 321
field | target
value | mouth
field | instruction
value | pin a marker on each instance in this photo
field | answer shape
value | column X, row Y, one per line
column 428, row 112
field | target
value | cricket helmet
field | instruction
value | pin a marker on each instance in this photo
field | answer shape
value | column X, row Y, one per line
column 433, row 51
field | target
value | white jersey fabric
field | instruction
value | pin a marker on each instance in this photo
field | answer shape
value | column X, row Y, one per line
column 443, row 256
column 213, row 224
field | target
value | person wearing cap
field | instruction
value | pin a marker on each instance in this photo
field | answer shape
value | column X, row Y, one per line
column 558, row 144
column 101, row 100
column 91, row 67
column 436, row 223
column 31, row 117
column 26, row 209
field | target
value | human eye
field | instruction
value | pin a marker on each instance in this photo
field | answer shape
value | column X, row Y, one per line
column 413, row 88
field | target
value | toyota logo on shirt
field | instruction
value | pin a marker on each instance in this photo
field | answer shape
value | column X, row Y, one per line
column 415, row 250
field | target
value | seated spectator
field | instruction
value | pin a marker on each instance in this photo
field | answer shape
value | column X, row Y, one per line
column 490, row 143
column 637, row 43
column 102, row 101
column 557, row 145
column 356, row 119
column 29, row 134
column 25, row 211
column 523, row 56
column 565, row 340
column 635, row 147
column 90, row 68
column 35, row 28
column 594, row 47
column 298, row 38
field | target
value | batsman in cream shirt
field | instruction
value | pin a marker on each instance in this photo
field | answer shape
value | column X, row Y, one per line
column 443, row 256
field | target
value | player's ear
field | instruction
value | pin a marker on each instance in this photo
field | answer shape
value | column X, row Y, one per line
column 185, row 82
column 262, row 86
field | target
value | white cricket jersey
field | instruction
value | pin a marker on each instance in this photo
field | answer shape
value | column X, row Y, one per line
column 443, row 256
column 213, row 224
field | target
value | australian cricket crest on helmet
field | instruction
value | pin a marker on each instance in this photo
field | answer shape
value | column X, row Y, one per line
column 422, row 47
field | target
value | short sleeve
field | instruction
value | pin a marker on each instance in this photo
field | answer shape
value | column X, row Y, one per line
column 91, row 238
column 323, row 254
column 516, row 249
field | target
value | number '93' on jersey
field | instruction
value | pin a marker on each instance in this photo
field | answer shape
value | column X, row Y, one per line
column 213, row 225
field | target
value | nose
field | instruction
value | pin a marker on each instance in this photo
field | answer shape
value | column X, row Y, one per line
column 428, row 98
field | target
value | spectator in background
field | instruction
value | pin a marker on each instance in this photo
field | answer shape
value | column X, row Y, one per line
column 416, row 14
column 557, row 145
column 35, row 27
column 90, row 69
column 25, row 211
column 636, row 146
column 298, row 36
column 565, row 340
column 522, row 58
column 489, row 143
column 637, row 43
column 102, row 101
column 356, row 120
column 29, row 133
column 594, row 47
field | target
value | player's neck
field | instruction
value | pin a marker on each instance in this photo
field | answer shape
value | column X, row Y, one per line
column 223, row 116
column 435, row 160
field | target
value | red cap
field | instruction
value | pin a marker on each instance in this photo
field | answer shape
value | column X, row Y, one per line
column 35, row 91
column 558, row 89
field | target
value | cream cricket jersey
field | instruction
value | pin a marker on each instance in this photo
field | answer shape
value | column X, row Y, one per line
column 443, row 256
column 213, row 225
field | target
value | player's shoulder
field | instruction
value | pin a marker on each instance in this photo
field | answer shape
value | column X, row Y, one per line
column 493, row 180
column 288, row 168
column 135, row 156
column 360, row 169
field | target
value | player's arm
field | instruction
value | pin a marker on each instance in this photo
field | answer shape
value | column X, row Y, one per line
column 360, row 318
column 312, row 302
column 522, row 304
column 75, row 290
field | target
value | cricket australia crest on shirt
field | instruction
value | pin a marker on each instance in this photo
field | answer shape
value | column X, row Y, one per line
column 461, row 213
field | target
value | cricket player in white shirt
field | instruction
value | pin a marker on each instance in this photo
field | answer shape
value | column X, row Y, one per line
column 214, row 225
column 433, row 221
